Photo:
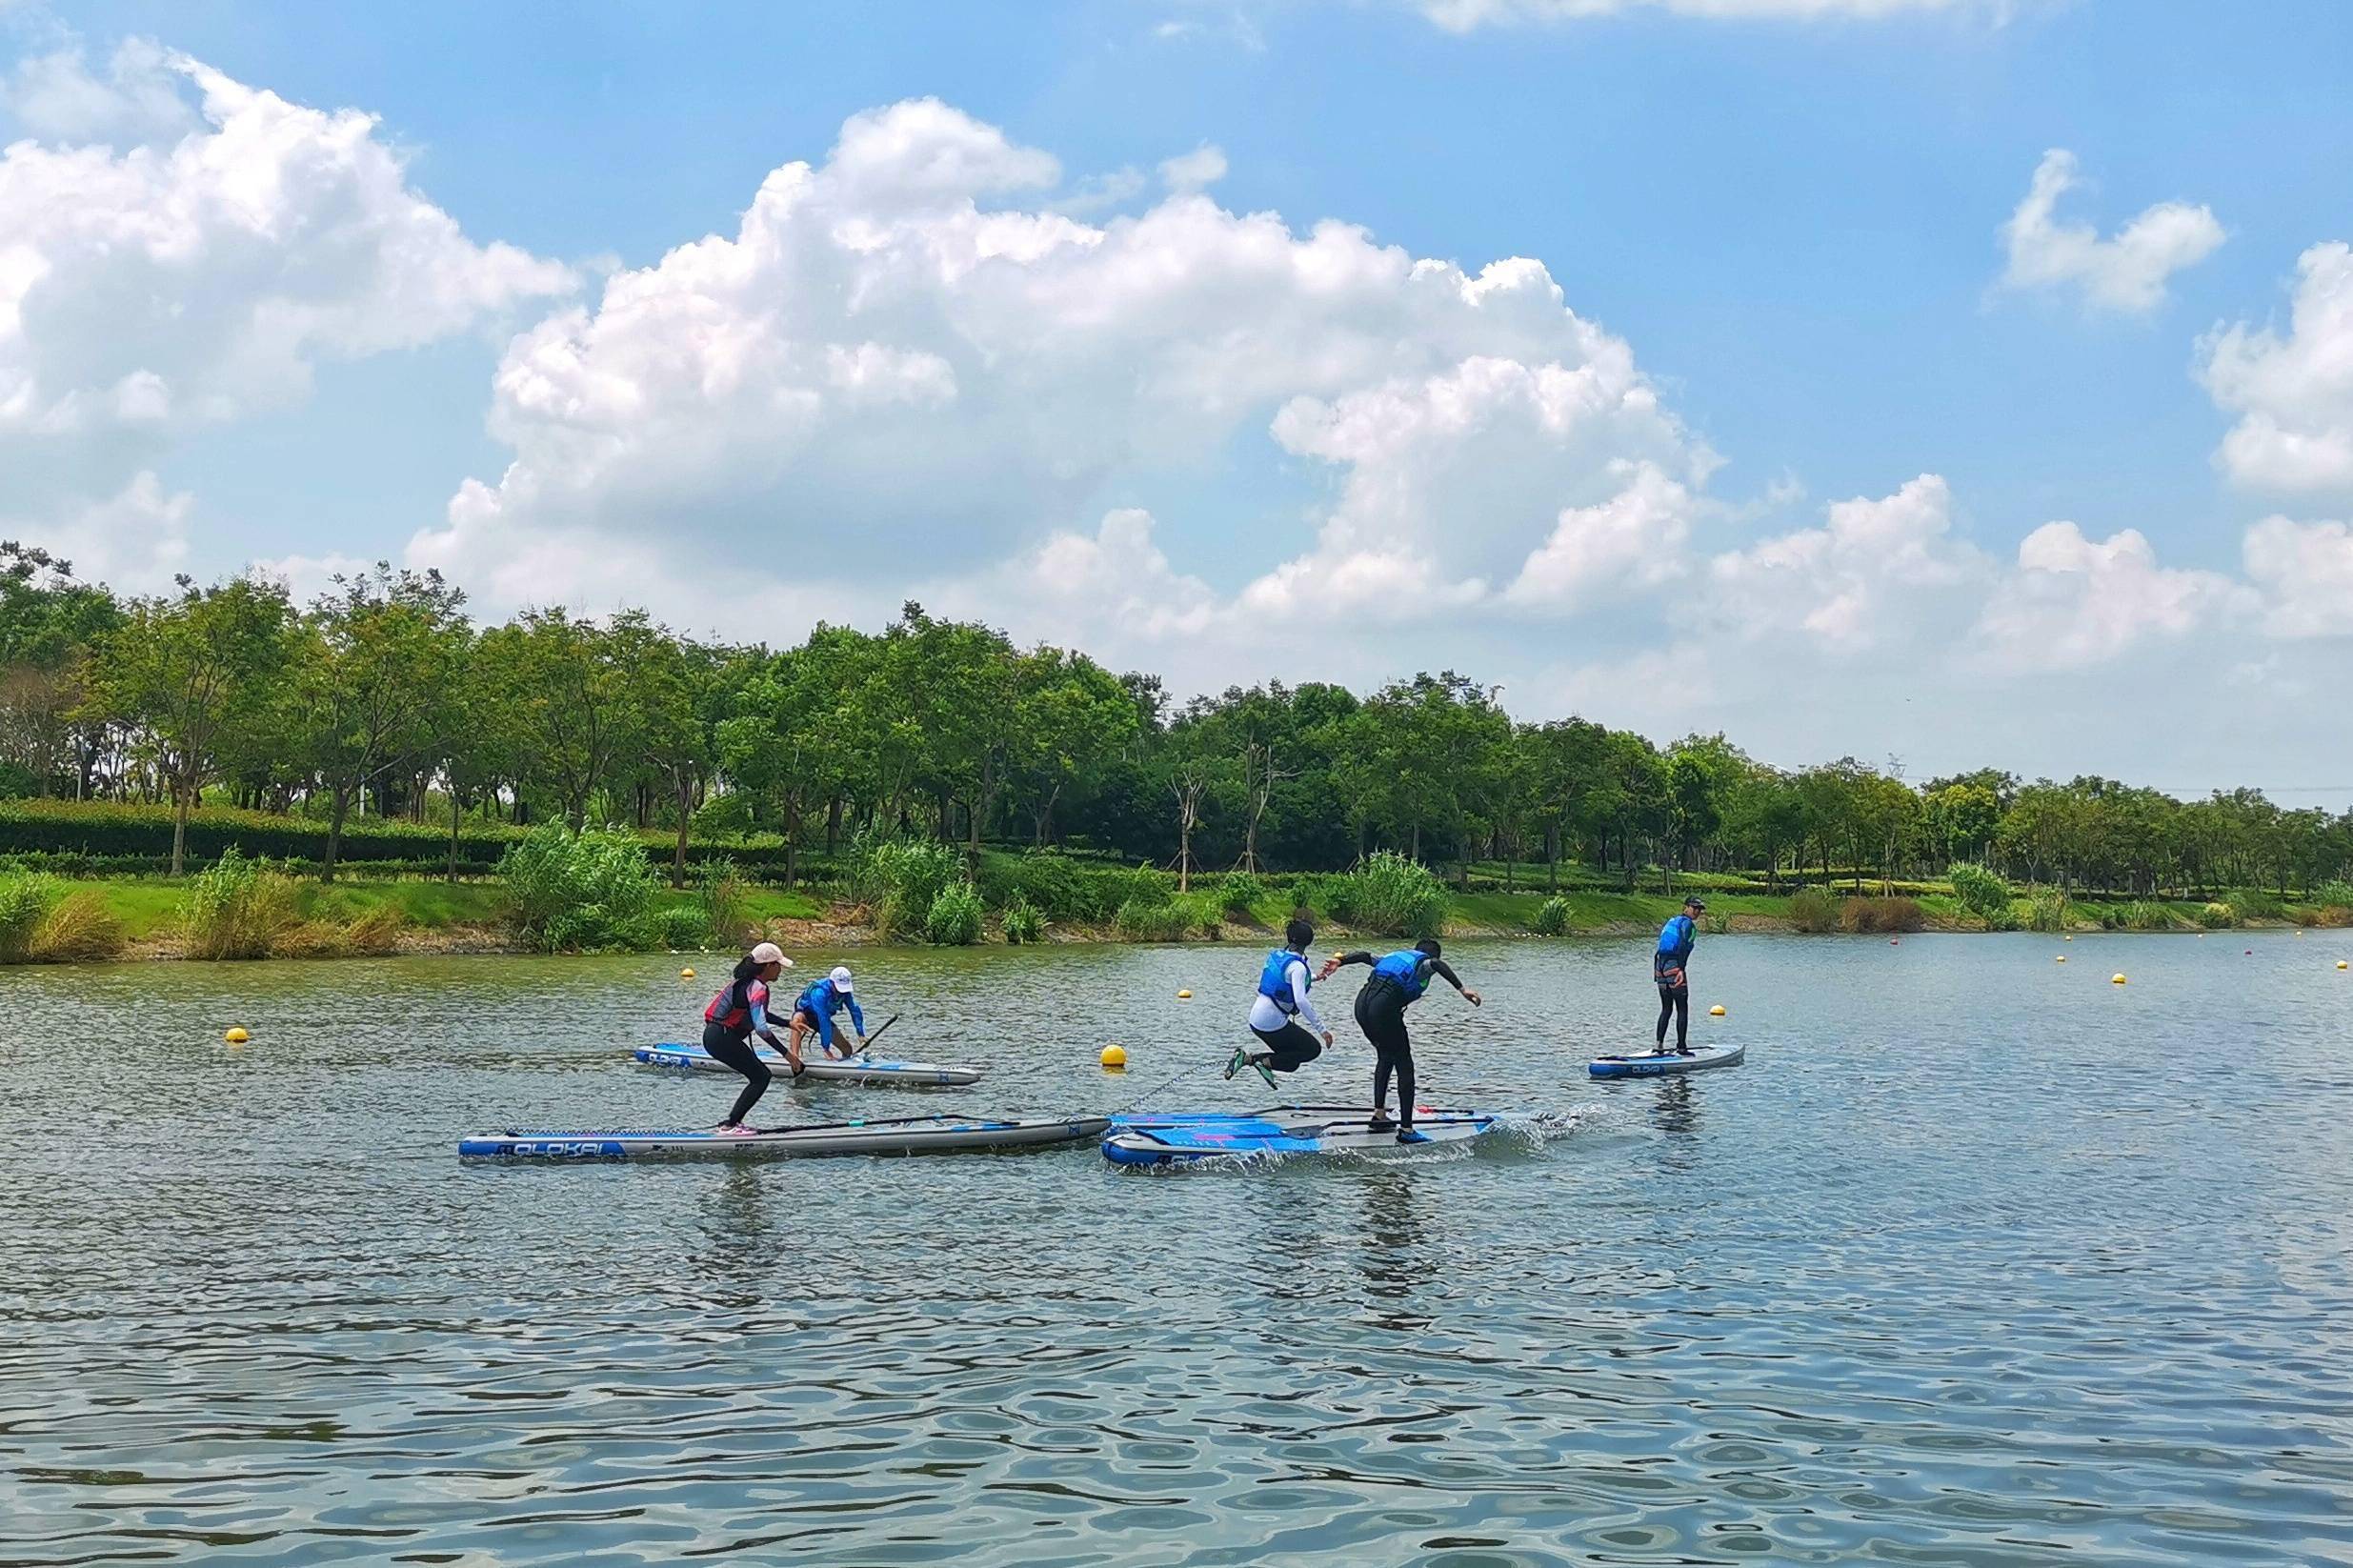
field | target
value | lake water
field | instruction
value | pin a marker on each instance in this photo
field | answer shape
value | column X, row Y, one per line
column 1978, row 1260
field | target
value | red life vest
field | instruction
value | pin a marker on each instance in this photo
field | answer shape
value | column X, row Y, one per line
column 731, row 1008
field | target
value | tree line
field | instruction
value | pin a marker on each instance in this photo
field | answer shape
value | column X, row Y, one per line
column 382, row 695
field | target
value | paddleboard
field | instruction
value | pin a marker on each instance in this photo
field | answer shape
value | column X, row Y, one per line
column 693, row 1058
column 1657, row 1064
column 1196, row 1137
column 889, row 1136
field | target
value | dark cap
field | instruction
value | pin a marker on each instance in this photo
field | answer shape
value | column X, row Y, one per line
column 1695, row 901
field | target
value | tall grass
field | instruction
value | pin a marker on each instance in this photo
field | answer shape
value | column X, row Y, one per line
column 719, row 900
column 953, row 920
column 240, row 908
column 1394, row 895
column 1146, row 919
column 1811, row 909
column 42, row 924
column 1879, row 914
column 1552, row 917
column 1022, row 922
column 2047, row 911
column 1982, row 894
column 899, row 877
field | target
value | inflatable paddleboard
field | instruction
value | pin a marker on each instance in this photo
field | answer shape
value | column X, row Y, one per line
column 1657, row 1064
column 693, row 1058
column 891, row 1136
column 1196, row 1137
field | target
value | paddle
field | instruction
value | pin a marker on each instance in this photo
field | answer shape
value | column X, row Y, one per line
column 867, row 1049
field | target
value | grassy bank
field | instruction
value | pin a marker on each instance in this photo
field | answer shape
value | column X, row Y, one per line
column 1064, row 904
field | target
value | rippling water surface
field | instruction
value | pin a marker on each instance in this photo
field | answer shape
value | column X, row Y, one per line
column 1978, row 1260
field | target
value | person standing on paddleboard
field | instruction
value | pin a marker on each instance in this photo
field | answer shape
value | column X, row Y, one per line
column 737, row 1013
column 1667, row 969
column 813, row 1012
column 1281, row 1015
column 1398, row 982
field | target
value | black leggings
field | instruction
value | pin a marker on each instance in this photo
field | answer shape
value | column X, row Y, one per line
column 736, row 1050
column 1291, row 1047
column 1381, row 1013
column 1674, row 1002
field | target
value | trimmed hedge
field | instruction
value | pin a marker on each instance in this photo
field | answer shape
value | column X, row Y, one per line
column 104, row 837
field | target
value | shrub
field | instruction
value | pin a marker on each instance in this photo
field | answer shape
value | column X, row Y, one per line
column 1982, row 893
column 589, row 891
column 26, row 899
column 240, row 908
column 953, row 920
column 2046, row 910
column 1143, row 920
column 2333, row 896
column 1873, row 915
column 78, row 929
column 2255, row 904
column 681, row 927
column 1394, row 895
column 2218, row 917
column 2147, row 914
column 718, row 897
column 1553, row 918
column 722, row 816
column 899, row 877
column 1238, row 892
column 1022, row 922
column 1813, row 910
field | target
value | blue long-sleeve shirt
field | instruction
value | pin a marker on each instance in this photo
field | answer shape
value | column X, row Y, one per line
column 821, row 1002
column 1676, row 940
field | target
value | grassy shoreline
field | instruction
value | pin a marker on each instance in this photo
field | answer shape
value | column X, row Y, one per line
column 467, row 917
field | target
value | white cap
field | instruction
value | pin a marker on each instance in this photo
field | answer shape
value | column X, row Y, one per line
column 841, row 976
column 768, row 953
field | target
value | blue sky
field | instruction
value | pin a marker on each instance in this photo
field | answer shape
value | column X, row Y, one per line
column 1794, row 225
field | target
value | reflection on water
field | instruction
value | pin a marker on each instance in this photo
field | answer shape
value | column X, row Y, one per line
column 1971, row 1264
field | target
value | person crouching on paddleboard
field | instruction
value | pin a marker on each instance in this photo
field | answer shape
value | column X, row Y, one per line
column 1397, row 983
column 814, row 1013
column 737, row 1013
column 1667, row 967
column 1281, row 1015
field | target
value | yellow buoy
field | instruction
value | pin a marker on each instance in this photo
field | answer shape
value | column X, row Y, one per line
column 1114, row 1058
column 1184, row 996
column 2061, row 958
column 686, row 974
column 2340, row 964
column 236, row 1036
column 2115, row 979
column 2067, row 938
column 1715, row 1011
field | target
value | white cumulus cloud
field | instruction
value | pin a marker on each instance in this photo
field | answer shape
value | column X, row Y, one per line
column 1874, row 573
column 2304, row 572
column 2127, row 272
column 198, row 271
column 2074, row 600
column 914, row 345
column 2293, row 394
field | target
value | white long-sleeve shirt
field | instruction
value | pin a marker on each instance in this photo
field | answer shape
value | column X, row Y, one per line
column 1265, row 1015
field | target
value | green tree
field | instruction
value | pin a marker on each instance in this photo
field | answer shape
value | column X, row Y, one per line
column 191, row 669
column 368, row 664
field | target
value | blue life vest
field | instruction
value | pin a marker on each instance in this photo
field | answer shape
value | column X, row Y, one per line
column 1273, row 981
column 819, row 1001
column 1403, row 969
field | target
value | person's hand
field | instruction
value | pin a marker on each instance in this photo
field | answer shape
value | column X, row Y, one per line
column 1331, row 967
column 1471, row 997
column 1327, row 1039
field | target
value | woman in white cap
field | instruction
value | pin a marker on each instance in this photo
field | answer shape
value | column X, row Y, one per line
column 814, row 1013
column 737, row 1013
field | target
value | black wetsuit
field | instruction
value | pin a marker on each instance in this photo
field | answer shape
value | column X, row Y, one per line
column 734, row 1046
column 1291, row 1047
column 1381, row 1013
column 1673, row 981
